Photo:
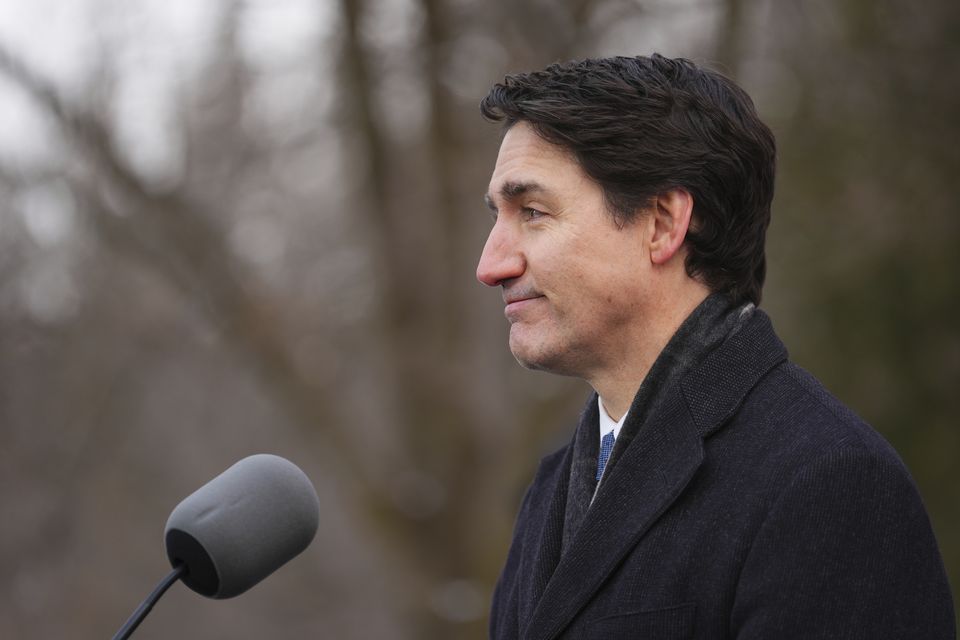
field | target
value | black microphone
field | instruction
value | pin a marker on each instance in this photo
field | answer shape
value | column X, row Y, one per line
column 237, row 529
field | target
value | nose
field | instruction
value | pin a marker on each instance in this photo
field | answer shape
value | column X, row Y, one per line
column 501, row 259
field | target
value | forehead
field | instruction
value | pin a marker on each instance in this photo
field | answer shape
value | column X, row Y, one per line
column 526, row 160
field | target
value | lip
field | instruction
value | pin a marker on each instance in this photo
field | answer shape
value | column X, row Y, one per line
column 516, row 305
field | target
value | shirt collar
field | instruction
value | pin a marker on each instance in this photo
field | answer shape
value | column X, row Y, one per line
column 606, row 422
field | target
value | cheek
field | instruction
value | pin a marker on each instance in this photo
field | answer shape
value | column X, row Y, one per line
column 584, row 272
column 610, row 296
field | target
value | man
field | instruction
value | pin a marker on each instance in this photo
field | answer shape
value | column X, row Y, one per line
column 712, row 489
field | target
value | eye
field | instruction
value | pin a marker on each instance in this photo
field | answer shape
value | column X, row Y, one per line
column 531, row 213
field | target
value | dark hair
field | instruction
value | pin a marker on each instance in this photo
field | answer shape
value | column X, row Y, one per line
column 639, row 126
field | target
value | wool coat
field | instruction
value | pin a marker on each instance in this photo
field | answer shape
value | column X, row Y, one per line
column 751, row 505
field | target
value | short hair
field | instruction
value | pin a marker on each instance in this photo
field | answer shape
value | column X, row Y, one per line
column 640, row 126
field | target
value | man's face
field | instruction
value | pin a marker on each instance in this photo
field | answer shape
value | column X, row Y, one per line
column 573, row 281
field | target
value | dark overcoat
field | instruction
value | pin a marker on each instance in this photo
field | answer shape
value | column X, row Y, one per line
column 751, row 505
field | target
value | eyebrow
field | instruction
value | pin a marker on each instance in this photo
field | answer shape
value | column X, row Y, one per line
column 512, row 190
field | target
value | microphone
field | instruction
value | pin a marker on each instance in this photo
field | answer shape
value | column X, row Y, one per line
column 237, row 529
column 243, row 525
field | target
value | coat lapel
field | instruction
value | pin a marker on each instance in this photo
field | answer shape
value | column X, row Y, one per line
column 544, row 542
column 657, row 466
column 654, row 471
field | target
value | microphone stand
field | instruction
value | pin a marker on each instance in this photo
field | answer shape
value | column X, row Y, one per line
column 145, row 606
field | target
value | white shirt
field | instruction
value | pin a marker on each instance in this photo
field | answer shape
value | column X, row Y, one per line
column 607, row 423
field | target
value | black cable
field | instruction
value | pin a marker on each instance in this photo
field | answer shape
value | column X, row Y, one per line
column 145, row 606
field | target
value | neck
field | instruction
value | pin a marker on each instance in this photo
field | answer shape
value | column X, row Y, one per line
column 618, row 383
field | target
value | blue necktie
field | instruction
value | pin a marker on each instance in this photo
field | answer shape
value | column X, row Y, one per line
column 606, row 446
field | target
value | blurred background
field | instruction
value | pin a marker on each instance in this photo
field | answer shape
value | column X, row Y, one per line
column 238, row 227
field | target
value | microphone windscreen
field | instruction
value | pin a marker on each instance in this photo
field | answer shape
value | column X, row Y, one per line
column 243, row 525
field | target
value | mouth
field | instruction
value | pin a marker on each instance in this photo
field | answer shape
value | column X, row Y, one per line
column 515, row 305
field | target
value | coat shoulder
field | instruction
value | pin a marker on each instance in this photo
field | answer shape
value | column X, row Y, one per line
column 799, row 411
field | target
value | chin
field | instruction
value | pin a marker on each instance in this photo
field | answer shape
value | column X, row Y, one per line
column 539, row 357
column 529, row 356
column 530, row 364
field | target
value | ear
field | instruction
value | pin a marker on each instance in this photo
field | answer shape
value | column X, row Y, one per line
column 672, row 212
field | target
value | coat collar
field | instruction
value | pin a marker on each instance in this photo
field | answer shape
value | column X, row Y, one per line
column 715, row 389
column 652, row 473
